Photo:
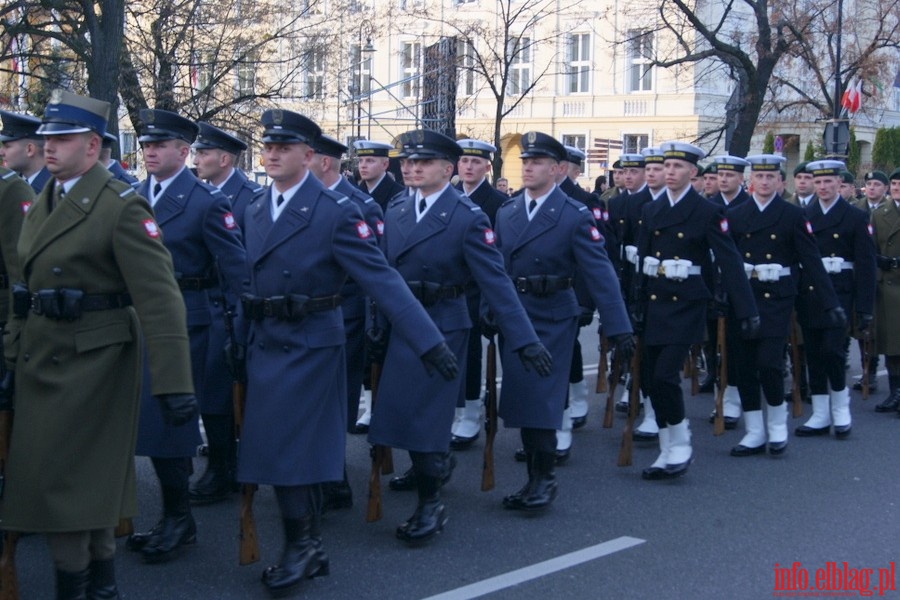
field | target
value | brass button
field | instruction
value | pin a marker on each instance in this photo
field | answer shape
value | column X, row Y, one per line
column 674, row 298
column 658, row 254
column 747, row 255
column 680, row 235
column 837, row 235
column 769, row 256
column 767, row 295
column 773, row 236
column 676, row 258
column 833, row 254
column 748, row 236
column 811, row 288
column 656, row 232
column 653, row 296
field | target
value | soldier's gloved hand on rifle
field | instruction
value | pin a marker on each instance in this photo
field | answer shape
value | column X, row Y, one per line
column 750, row 327
column 636, row 314
column 376, row 344
column 623, row 345
column 7, row 388
column 720, row 302
column 488, row 326
column 236, row 361
column 836, row 317
column 537, row 357
column 441, row 359
column 586, row 317
column 178, row 409
column 863, row 321
column 886, row 263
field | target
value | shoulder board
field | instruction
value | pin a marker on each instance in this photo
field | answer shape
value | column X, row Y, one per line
column 508, row 202
column 10, row 175
column 582, row 208
column 338, row 197
column 475, row 209
column 128, row 192
column 367, row 199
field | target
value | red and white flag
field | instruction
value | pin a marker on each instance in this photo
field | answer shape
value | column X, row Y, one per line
column 852, row 98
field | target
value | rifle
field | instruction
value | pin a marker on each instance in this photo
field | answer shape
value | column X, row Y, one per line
column 610, row 398
column 601, row 366
column 633, row 396
column 796, row 406
column 695, row 371
column 381, row 455
column 249, row 547
column 487, row 469
column 719, row 422
column 867, row 353
column 9, row 585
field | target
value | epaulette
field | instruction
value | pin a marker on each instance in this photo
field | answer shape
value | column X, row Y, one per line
column 475, row 209
column 508, row 202
column 127, row 192
column 10, row 175
column 368, row 199
column 342, row 200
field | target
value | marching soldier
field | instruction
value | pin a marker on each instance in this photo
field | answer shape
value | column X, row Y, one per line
column 848, row 186
column 16, row 197
column 114, row 166
column 618, row 185
column 804, row 189
column 325, row 166
column 199, row 229
column 676, row 236
column 730, row 175
column 440, row 243
column 886, row 225
column 373, row 171
column 474, row 164
column 23, row 148
column 303, row 241
column 844, row 239
column 781, row 188
column 775, row 240
column 547, row 240
column 710, row 180
column 97, row 285
column 215, row 155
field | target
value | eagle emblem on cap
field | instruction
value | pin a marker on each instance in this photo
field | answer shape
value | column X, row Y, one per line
column 418, row 136
column 531, row 137
column 56, row 96
column 148, row 117
column 277, row 116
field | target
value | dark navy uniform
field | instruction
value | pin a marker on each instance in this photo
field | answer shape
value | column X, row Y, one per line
column 39, row 180
column 240, row 192
column 486, row 197
column 119, row 172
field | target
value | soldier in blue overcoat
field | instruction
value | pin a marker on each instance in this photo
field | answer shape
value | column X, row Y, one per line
column 546, row 239
column 112, row 165
column 844, row 238
column 199, row 230
column 440, row 243
column 774, row 239
column 303, row 241
column 22, row 149
column 216, row 153
column 677, row 233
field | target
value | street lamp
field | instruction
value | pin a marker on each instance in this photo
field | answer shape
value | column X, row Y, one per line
column 368, row 50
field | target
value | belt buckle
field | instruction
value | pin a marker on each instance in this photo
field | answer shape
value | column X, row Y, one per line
column 522, row 285
column 267, row 308
column 36, row 305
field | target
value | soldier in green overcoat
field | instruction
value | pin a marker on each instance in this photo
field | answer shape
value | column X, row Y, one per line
column 886, row 226
column 97, row 286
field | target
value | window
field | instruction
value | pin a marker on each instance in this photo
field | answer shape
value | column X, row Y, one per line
column 640, row 60
column 633, row 143
column 576, row 141
column 245, row 75
column 361, row 67
column 410, row 4
column 410, row 65
column 461, row 2
column 467, row 69
column 518, row 50
column 314, row 79
column 578, row 67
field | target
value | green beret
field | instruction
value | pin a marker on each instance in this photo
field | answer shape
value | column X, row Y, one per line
column 847, row 177
column 800, row 168
column 878, row 176
column 895, row 174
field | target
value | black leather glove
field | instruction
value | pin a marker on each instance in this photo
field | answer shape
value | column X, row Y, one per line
column 720, row 303
column 537, row 357
column 488, row 326
column 7, row 389
column 750, row 327
column 178, row 409
column 623, row 345
column 836, row 317
column 586, row 317
column 236, row 361
column 636, row 314
column 886, row 263
column 441, row 359
column 863, row 321
column 376, row 344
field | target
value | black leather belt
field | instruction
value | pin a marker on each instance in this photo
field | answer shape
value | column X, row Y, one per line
column 430, row 293
column 542, row 285
column 292, row 307
column 195, row 284
column 69, row 304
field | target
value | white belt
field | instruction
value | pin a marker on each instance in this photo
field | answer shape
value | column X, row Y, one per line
column 766, row 272
column 676, row 269
column 836, row 264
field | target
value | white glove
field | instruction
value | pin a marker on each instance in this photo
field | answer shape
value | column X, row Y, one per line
column 651, row 266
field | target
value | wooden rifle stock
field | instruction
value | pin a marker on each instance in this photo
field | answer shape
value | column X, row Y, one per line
column 387, row 458
column 487, row 468
column 796, row 405
column 719, row 421
column 249, row 546
column 601, row 366
column 124, row 528
column 380, row 455
column 867, row 353
column 9, row 585
column 633, row 396
column 611, row 396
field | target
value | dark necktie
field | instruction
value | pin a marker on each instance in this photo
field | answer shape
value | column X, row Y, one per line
column 531, row 206
column 279, row 201
column 56, row 197
column 422, row 206
column 156, row 190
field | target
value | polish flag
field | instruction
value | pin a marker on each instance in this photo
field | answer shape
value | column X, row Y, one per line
column 852, row 98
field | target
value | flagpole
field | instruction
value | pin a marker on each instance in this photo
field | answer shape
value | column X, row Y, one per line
column 837, row 75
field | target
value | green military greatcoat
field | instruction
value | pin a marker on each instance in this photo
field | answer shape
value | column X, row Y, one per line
column 886, row 225
column 78, row 382
column 16, row 197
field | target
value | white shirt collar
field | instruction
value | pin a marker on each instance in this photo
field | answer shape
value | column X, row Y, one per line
column 475, row 187
column 288, row 195
column 377, row 183
column 539, row 202
column 429, row 201
column 163, row 183
column 673, row 200
column 760, row 206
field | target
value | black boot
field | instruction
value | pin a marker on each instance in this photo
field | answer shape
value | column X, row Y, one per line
column 137, row 541
column 102, row 582
column 405, row 482
column 543, row 490
column 71, row 585
column 430, row 516
column 315, row 533
column 337, row 494
column 892, row 402
column 217, row 482
column 514, row 501
column 177, row 529
column 299, row 560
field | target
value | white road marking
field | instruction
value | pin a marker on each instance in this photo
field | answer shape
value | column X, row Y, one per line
column 506, row 580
